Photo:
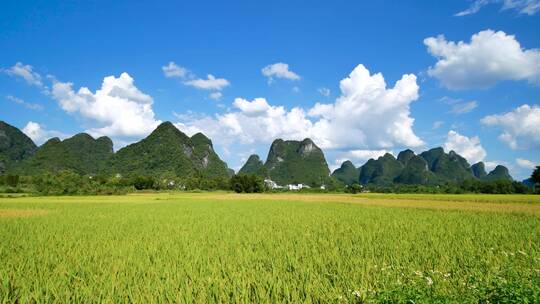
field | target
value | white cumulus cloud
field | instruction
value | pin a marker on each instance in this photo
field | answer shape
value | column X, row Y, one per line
column 520, row 127
column 359, row 157
column 468, row 147
column 279, row 70
column 367, row 116
column 210, row 83
column 251, row 122
column 39, row 134
column 119, row 108
column 490, row 165
column 252, row 108
column 489, row 57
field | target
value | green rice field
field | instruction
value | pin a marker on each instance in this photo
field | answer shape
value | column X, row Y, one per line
column 270, row 248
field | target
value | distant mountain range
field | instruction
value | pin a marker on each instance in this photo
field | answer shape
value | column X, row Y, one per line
column 167, row 150
column 432, row 167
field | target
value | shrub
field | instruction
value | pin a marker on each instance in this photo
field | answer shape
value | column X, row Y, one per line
column 247, row 183
column 354, row 188
column 143, row 182
column 12, row 180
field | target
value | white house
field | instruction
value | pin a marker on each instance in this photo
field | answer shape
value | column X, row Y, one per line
column 272, row 184
column 297, row 186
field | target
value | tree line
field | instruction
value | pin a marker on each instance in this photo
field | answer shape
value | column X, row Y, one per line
column 70, row 183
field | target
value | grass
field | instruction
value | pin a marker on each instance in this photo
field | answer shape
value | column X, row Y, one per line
column 223, row 247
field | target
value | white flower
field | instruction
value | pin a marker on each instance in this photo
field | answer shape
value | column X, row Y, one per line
column 357, row 293
column 429, row 281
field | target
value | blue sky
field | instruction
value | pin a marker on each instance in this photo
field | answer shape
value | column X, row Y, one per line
column 246, row 72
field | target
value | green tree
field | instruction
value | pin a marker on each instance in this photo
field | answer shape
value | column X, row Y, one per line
column 237, row 185
column 354, row 188
column 12, row 180
column 248, row 183
column 536, row 177
column 143, row 182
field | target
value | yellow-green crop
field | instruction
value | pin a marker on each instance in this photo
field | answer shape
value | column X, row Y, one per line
column 221, row 247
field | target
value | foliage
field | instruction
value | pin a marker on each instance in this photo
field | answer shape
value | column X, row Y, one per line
column 535, row 176
column 499, row 186
column 431, row 168
column 499, row 173
column 354, row 188
column 347, row 173
column 12, row 180
column 479, row 170
column 295, row 162
column 253, row 165
column 205, row 183
column 81, row 154
column 415, row 172
column 382, row 171
column 70, row 183
column 15, row 146
column 206, row 160
column 142, row 182
column 405, row 156
column 175, row 161
column 448, row 167
column 289, row 248
column 466, row 186
column 165, row 151
column 169, row 151
column 67, row 182
column 247, row 183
